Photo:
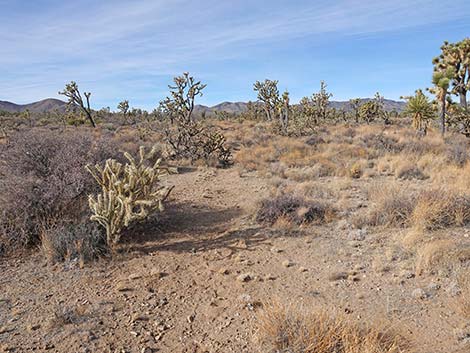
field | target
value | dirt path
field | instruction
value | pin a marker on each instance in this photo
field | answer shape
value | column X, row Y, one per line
column 193, row 281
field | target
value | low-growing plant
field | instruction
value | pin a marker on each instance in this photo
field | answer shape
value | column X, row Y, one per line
column 292, row 329
column 66, row 241
column 294, row 209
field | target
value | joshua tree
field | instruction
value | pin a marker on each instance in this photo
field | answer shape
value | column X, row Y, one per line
column 441, row 80
column 355, row 104
column 268, row 93
column 123, row 107
column 180, row 105
column 421, row 110
column 284, row 108
column 373, row 109
column 456, row 56
column 321, row 100
column 185, row 136
column 74, row 96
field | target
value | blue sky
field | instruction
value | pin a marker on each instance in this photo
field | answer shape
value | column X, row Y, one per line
column 131, row 49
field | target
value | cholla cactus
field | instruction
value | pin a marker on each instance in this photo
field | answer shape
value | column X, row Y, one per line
column 129, row 192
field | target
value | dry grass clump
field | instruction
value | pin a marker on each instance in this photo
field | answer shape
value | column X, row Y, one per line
column 66, row 241
column 293, row 209
column 393, row 205
column 432, row 209
column 293, row 330
column 381, row 143
column 441, row 208
column 443, row 256
column 457, row 150
column 409, row 171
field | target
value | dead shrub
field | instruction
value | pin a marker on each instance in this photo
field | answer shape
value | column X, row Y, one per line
column 67, row 241
column 294, row 209
column 295, row 330
column 382, row 143
column 457, row 151
column 409, row 171
column 43, row 179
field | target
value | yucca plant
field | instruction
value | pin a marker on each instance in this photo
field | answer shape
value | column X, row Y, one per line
column 420, row 108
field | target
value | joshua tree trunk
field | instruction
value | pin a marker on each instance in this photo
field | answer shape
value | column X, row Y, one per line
column 443, row 115
column 463, row 99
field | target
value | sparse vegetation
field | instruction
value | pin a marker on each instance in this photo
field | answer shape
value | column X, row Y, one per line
column 301, row 330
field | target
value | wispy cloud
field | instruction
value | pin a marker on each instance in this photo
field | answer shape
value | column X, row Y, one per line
column 114, row 45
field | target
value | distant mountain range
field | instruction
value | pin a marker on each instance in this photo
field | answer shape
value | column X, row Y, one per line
column 240, row 107
column 46, row 105
column 52, row 104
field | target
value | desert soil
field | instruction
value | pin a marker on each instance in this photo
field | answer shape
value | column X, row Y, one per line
column 194, row 280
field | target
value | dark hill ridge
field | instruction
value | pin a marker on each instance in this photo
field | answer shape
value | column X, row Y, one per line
column 240, row 107
column 52, row 104
column 45, row 105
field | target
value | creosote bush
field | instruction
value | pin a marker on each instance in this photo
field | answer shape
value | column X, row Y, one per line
column 294, row 209
column 294, row 330
column 44, row 181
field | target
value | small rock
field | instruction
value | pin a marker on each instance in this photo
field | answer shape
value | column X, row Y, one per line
column 287, row 263
column 302, row 269
column 453, row 289
column 419, row 293
column 245, row 277
column 5, row 329
column 337, row 276
column 190, row 318
column 139, row 317
column 146, row 350
column 123, row 287
column 33, row 327
column 276, row 250
column 242, row 244
column 357, row 235
column 6, row 348
column 407, row 274
column 134, row 276
column 223, row 271
column 133, row 333
column 155, row 272
column 270, row 277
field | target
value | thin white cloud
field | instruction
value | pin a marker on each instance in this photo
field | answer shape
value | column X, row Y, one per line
column 99, row 41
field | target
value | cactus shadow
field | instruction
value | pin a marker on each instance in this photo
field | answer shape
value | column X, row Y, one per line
column 193, row 228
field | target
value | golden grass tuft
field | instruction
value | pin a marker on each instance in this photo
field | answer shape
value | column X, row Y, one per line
column 295, row 330
column 441, row 208
column 441, row 255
